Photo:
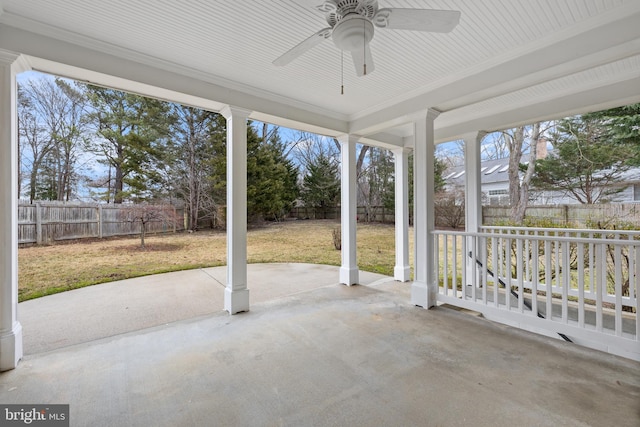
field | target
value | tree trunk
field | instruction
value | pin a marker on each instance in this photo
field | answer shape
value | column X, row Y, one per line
column 519, row 209
column 118, row 186
column 142, row 233
column 515, row 155
column 32, row 183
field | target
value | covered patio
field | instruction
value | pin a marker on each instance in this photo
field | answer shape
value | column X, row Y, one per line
column 310, row 353
column 504, row 64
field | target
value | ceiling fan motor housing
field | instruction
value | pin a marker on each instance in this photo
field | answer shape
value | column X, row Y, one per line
column 352, row 32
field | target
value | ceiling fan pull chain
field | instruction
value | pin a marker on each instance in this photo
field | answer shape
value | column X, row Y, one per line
column 342, row 72
column 364, row 46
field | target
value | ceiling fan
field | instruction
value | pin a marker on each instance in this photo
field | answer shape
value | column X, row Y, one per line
column 352, row 22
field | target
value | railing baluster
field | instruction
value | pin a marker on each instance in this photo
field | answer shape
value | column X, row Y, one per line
column 558, row 254
column 601, row 272
column 436, row 258
column 534, row 277
column 519, row 274
column 637, row 289
column 507, row 276
column 463, row 265
column 581, row 285
column 494, row 262
column 548, row 278
column 445, row 272
column 592, row 277
column 566, row 281
column 527, row 269
column 485, row 263
column 632, row 269
column 617, row 257
column 474, row 268
column 454, row 266
column 498, row 268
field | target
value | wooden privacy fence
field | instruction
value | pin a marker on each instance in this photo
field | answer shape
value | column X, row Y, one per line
column 365, row 214
column 571, row 215
column 561, row 215
column 47, row 222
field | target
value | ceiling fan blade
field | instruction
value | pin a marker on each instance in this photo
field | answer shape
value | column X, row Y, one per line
column 302, row 47
column 362, row 57
column 321, row 5
column 432, row 20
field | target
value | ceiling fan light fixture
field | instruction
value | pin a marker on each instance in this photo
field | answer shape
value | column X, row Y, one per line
column 351, row 26
column 352, row 32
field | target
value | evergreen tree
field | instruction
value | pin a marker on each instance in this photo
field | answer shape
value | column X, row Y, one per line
column 271, row 178
column 321, row 184
column 588, row 159
column 622, row 127
column 133, row 131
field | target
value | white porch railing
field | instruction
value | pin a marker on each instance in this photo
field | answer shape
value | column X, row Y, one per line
column 585, row 282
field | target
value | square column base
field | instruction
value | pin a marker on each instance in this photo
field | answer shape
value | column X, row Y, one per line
column 236, row 301
column 402, row 273
column 349, row 276
column 423, row 295
column 11, row 348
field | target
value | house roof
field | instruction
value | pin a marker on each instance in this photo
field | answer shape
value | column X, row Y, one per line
column 497, row 170
column 491, row 171
column 506, row 63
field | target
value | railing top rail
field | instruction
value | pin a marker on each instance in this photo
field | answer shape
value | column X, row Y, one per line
column 538, row 237
column 561, row 230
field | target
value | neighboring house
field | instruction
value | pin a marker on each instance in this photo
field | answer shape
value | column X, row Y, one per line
column 495, row 186
column 495, row 180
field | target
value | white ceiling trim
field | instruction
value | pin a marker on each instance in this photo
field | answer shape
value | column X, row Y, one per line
column 590, row 80
column 512, row 72
column 608, row 96
column 478, row 84
column 57, row 57
column 590, row 26
column 25, row 24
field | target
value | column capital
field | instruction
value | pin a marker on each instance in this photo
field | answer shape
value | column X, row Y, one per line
column 229, row 110
column 401, row 150
column 432, row 113
column 476, row 136
column 427, row 113
column 18, row 61
column 347, row 137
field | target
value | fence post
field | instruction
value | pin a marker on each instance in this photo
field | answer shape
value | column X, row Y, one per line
column 175, row 218
column 100, row 221
column 38, row 224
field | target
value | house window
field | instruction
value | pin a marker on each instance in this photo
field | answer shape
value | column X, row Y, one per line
column 498, row 192
column 636, row 192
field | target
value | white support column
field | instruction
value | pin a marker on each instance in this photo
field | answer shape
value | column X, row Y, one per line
column 236, row 294
column 473, row 202
column 348, row 206
column 10, row 329
column 402, row 270
column 424, row 289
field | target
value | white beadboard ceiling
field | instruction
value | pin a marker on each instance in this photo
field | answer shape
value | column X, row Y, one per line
column 507, row 62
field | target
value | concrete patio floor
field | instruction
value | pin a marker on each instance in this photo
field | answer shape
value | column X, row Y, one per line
column 313, row 352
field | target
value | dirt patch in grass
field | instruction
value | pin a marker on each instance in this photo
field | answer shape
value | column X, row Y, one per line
column 44, row 270
column 151, row 247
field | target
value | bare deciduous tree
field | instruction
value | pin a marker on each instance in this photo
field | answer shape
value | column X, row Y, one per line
column 144, row 213
column 521, row 140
